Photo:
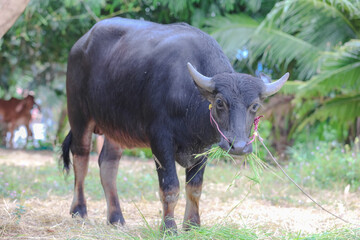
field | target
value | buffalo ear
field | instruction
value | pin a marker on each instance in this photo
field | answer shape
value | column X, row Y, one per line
column 266, row 79
column 272, row 88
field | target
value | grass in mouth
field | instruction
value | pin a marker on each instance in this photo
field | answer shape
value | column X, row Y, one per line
column 250, row 161
column 215, row 153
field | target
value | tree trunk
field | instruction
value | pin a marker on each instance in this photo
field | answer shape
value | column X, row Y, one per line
column 9, row 12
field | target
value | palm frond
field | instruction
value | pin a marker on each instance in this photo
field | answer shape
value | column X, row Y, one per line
column 291, row 87
column 340, row 70
column 277, row 47
column 321, row 23
column 293, row 35
column 341, row 109
column 272, row 46
column 232, row 32
column 350, row 7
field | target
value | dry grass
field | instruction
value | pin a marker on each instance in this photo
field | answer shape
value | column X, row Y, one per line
column 33, row 218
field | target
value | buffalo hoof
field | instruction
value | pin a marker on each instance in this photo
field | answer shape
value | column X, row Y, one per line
column 116, row 218
column 169, row 227
column 188, row 225
column 79, row 210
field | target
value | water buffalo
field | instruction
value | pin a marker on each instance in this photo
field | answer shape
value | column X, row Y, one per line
column 144, row 84
column 16, row 112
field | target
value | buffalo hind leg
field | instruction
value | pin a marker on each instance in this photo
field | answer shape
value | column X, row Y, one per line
column 109, row 163
column 80, row 148
column 194, row 180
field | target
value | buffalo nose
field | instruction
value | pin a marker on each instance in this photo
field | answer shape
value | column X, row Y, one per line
column 240, row 148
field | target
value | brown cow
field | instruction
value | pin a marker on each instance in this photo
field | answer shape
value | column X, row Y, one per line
column 16, row 112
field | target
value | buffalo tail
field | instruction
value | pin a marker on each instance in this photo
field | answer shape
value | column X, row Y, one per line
column 65, row 147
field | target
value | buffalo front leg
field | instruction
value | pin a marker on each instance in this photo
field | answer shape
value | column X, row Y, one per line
column 109, row 163
column 169, row 193
column 194, row 180
column 162, row 148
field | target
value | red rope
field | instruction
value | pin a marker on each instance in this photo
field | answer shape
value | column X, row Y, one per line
column 212, row 120
column 256, row 125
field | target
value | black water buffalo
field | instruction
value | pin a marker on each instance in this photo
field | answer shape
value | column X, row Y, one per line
column 132, row 81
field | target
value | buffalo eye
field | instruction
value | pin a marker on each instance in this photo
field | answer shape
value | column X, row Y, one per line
column 254, row 107
column 219, row 103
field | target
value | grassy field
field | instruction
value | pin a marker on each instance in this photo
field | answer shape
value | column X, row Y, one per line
column 35, row 199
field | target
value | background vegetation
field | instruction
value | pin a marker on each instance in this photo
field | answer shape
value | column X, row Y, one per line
column 318, row 42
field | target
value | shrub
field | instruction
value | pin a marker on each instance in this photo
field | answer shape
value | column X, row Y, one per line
column 324, row 163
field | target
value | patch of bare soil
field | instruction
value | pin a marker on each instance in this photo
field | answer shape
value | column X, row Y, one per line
column 25, row 158
column 50, row 219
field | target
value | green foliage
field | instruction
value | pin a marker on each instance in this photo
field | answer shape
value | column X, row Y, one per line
column 339, row 83
column 340, row 108
column 223, row 29
column 310, row 27
column 320, row 23
column 34, row 51
column 291, row 87
column 19, row 211
column 293, row 34
column 143, row 153
column 321, row 164
column 38, row 41
column 197, row 11
column 339, row 71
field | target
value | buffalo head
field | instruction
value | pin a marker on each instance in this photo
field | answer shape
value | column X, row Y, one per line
column 235, row 99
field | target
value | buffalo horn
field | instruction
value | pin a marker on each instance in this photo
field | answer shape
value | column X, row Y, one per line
column 272, row 88
column 202, row 81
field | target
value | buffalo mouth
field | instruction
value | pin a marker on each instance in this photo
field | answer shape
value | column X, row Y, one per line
column 239, row 147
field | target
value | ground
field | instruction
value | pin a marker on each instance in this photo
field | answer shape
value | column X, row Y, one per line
column 277, row 210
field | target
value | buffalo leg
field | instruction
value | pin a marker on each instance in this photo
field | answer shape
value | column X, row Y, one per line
column 194, row 180
column 168, row 180
column 80, row 149
column 109, row 164
column 169, row 193
column 29, row 133
column 11, row 129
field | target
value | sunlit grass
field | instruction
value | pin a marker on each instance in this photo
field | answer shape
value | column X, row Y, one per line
column 41, row 181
